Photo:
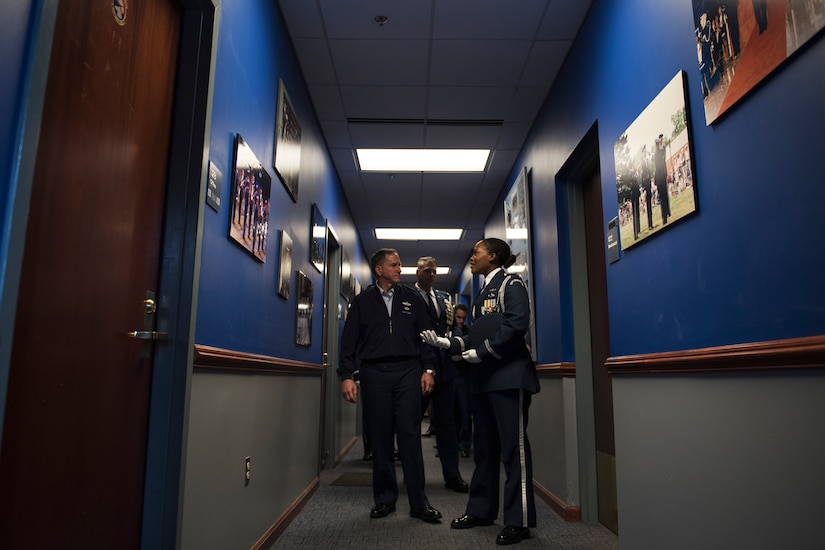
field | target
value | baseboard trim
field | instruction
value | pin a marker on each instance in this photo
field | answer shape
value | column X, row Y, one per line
column 277, row 528
column 568, row 513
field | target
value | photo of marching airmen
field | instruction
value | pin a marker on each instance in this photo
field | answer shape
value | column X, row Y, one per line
column 249, row 212
column 654, row 168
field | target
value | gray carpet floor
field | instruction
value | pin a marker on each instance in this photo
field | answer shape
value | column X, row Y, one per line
column 337, row 516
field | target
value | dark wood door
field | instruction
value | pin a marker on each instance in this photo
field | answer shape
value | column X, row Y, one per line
column 74, row 441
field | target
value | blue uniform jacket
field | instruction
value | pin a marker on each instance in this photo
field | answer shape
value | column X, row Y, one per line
column 372, row 335
column 506, row 361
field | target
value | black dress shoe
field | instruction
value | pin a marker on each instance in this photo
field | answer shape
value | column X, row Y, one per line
column 367, row 456
column 512, row 535
column 465, row 454
column 468, row 521
column 382, row 510
column 457, row 484
column 428, row 514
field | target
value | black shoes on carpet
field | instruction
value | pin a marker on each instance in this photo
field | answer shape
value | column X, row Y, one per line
column 509, row 535
column 457, row 484
column 468, row 521
column 512, row 535
column 428, row 514
column 382, row 510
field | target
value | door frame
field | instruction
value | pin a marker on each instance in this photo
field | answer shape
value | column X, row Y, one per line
column 180, row 249
column 330, row 389
column 577, row 171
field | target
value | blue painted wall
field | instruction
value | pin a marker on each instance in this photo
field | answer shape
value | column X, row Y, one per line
column 749, row 266
column 239, row 307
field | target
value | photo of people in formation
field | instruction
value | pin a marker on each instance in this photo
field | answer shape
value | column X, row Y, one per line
column 249, row 212
column 740, row 42
column 654, row 172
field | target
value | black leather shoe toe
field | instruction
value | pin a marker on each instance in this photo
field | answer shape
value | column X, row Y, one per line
column 381, row 510
column 512, row 535
column 457, row 484
column 428, row 514
column 468, row 521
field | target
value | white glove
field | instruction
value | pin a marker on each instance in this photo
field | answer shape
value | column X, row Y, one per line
column 471, row 356
column 430, row 337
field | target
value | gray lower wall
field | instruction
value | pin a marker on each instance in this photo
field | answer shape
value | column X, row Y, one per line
column 720, row 461
column 552, row 433
column 272, row 418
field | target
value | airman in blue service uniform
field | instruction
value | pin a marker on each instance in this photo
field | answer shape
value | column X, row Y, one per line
column 381, row 335
column 503, row 379
column 442, row 420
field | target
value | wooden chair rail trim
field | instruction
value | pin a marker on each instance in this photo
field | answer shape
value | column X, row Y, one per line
column 789, row 354
column 211, row 358
column 556, row 369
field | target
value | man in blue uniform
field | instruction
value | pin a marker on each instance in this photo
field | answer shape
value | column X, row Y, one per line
column 442, row 420
column 381, row 335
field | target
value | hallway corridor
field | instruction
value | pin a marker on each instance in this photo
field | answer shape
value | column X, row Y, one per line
column 337, row 517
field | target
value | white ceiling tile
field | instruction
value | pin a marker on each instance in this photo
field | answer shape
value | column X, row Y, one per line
column 380, row 62
column 385, row 102
column 474, row 19
column 392, row 136
column 469, row 103
column 478, row 62
column 344, row 19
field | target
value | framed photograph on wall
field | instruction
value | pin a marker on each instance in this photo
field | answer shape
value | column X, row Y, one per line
column 285, row 265
column 287, row 143
column 318, row 247
column 740, row 42
column 654, row 167
column 517, row 234
column 303, row 318
column 249, row 210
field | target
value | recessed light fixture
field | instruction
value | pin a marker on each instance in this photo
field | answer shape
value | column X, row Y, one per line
column 417, row 234
column 422, row 160
column 440, row 270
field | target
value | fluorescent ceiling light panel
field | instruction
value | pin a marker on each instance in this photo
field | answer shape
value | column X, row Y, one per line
column 417, row 234
column 440, row 270
column 422, row 160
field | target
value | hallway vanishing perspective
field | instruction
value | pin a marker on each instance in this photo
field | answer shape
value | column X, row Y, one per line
column 337, row 516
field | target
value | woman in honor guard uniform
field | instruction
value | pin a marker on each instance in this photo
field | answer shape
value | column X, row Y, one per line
column 503, row 380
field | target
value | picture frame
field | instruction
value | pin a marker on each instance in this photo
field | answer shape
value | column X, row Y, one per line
column 287, row 154
column 285, row 265
column 655, row 175
column 318, row 247
column 517, row 227
column 303, row 315
column 740, row 42
column 249, row 208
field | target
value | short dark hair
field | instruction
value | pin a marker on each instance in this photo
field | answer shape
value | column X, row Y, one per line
column 461, row 307
column 379, row 257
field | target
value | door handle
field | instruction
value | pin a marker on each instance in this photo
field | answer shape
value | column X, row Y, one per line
column 148, row 335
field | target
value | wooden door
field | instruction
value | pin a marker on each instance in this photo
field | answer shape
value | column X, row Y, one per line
column 74, row 442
